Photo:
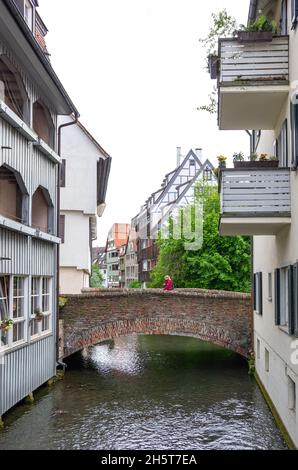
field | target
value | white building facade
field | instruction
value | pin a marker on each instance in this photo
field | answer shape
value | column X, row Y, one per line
column 83, row 184
column 263, row 202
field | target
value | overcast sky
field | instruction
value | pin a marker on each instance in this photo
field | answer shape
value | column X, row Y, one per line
column 135, row 71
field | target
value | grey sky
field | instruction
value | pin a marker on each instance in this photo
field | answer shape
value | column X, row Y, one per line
column 135, row 70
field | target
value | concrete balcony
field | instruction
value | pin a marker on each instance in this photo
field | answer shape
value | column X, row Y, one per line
column 253, row 83
column 254, row 201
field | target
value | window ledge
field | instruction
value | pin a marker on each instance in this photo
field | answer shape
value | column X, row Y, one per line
column 16, row 122
column 11, row 224
column 284, row 329
column 47, row 151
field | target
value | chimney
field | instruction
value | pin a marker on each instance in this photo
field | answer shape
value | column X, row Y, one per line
column 2, row 91
column 178, row 156
column 198, row 153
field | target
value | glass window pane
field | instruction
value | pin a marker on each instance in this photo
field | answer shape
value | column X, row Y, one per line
column 18, row 332
column 34, row 327
column 4, row 296
column 45, row 323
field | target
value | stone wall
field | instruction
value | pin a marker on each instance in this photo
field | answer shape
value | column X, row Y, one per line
column 223, row 318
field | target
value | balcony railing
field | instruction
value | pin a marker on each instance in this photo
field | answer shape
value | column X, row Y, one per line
column 248, row 63
column 253, row 82
column 255, row 201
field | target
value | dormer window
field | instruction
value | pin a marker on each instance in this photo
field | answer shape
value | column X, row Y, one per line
column 26, row 8
column 43, row 123
column 28, row 13
column 12, row 90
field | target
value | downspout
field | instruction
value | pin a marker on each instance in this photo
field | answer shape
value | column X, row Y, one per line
column 71, row 123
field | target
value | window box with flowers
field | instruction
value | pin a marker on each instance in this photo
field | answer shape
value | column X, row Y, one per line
column 255, row 161
column 6, row 325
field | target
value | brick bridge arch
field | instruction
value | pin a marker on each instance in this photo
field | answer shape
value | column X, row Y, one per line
column 219, row 317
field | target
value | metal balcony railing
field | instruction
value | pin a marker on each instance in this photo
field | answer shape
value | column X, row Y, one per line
column 255, row 192
column 248, row 63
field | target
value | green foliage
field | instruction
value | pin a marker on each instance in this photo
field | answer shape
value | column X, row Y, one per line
column 221, row 262
column 223, row 26
column 62, row 302
column 262, row 23
column 96, row 279
column 135, row 285
column 211, row 107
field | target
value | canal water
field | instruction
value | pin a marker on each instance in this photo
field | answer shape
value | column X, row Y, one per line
column 147, row 392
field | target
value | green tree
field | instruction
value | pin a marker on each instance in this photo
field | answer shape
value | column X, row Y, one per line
column 96, row 279
column 221, row 262
column 135, row 285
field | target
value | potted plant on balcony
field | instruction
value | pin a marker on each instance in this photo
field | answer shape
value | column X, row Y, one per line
column 261, row 30
column 38, row 314
column 213, row 62
column 221, row 161
column 6, row 325
column 255, row 161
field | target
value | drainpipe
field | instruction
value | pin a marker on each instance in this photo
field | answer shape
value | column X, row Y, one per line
column 71, row 123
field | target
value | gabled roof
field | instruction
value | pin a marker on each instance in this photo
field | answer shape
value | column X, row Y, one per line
column 93, row 140
column 192, row 154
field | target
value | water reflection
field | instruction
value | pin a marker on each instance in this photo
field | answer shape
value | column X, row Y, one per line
column 148, row 392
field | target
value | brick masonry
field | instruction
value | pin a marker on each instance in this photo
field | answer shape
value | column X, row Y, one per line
column 220, row 317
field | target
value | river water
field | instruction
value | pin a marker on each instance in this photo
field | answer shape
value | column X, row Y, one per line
column 147, row 392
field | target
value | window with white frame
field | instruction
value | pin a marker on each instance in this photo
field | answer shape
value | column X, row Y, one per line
column 258, row 293
column 28, row 13
column 4, row 307
column 13, row 307
column 41, row 301
column 35, row 281
column 18, row 309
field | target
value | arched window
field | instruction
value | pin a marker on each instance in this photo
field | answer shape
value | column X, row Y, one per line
column 42, row 210
column 43, row 124
column 14, row 198
column 12, row 90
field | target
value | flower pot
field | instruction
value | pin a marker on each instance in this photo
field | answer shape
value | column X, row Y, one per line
column 5, row 328
column 222, row 165
column 257, row 164
column 254, row 36
column 213, row 66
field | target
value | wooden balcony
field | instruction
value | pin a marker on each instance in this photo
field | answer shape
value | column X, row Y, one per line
column 255, row 201
column 253, row 83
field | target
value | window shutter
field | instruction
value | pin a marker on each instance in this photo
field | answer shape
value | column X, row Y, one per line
column 277, row 295
column 295, row 299
column 62, row 173
column 294, row 12
column 294, row 133
column 291, row 325
column 254, row 292
column 284, row 18
column 62, row 228
column 260, row 280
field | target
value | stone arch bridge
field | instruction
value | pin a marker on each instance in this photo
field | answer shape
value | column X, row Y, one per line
column 219, row 317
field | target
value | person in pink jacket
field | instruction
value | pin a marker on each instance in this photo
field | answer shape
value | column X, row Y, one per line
column 168, row 283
